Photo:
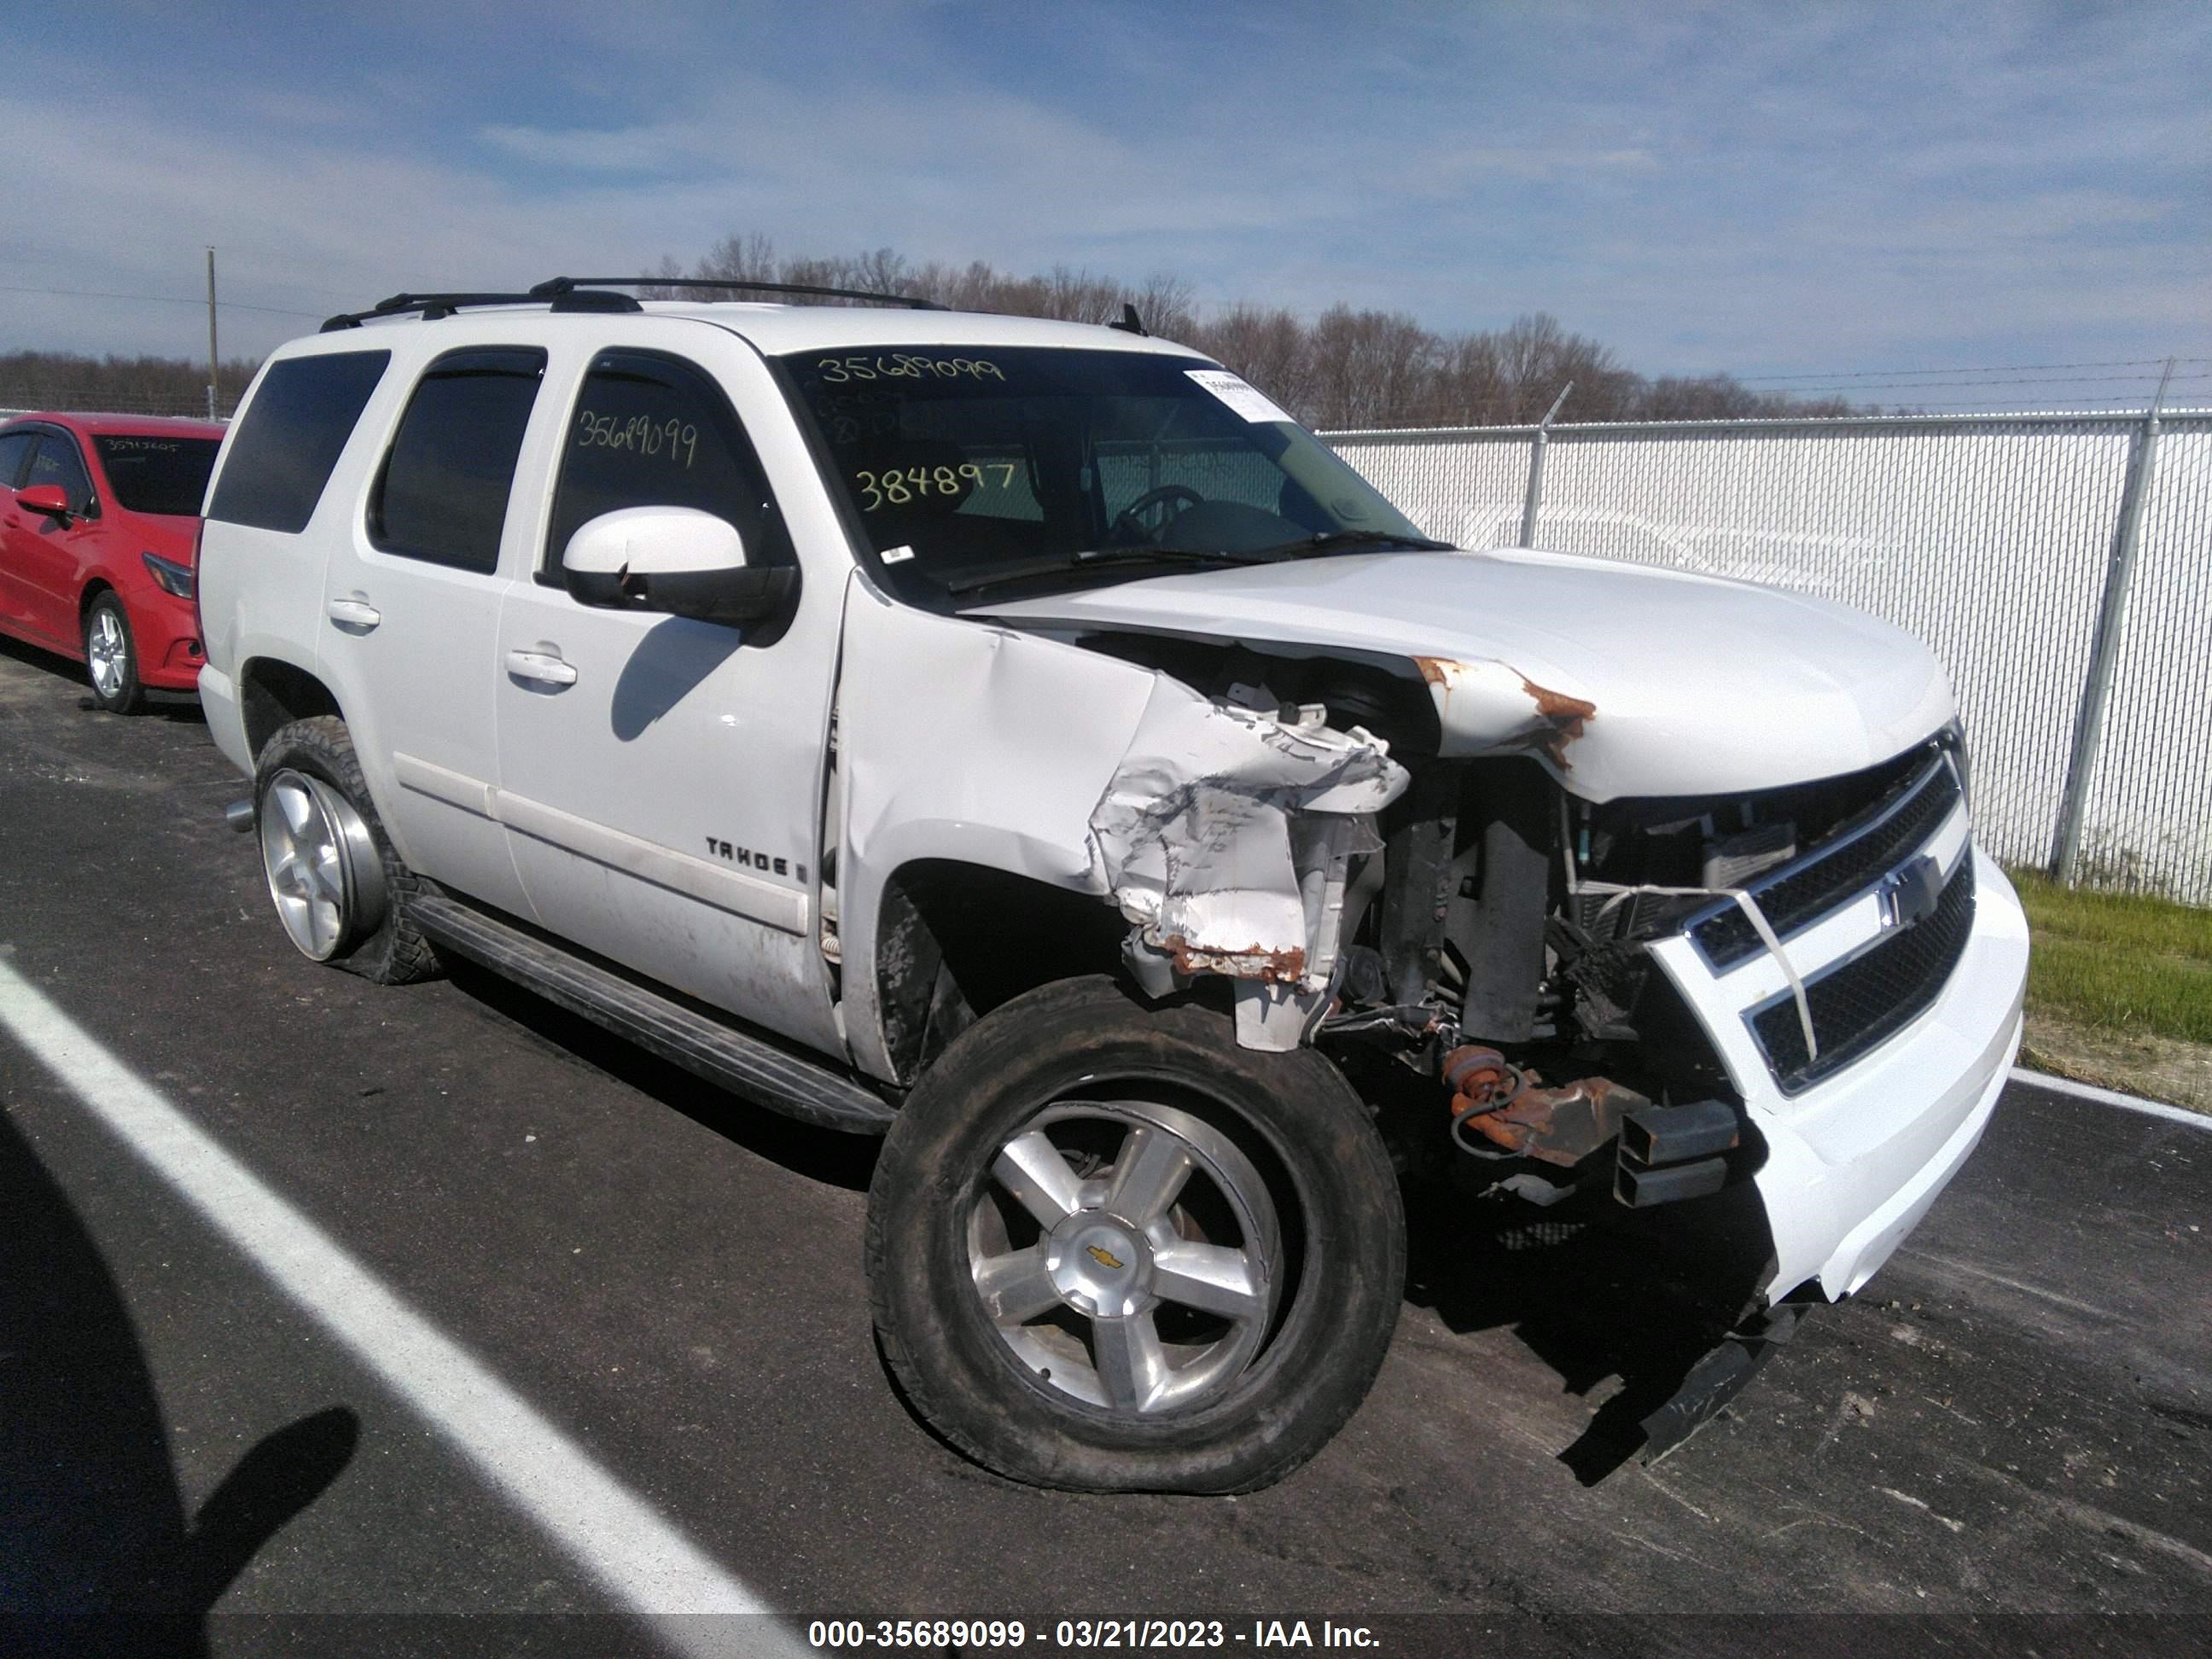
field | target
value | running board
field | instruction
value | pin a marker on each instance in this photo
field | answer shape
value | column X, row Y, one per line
column 745, row 1066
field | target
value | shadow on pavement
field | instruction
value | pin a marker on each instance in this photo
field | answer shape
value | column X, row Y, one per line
column 177, row 707
column 96, row 1552
column 1595, row 1290
column 823, row 1155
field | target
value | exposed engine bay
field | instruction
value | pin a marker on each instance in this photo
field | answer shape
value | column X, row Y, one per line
column 1493, row 989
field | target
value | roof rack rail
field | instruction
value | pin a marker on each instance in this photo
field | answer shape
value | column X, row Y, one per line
column 559, row 286
column 580, row 293
column 432, row 307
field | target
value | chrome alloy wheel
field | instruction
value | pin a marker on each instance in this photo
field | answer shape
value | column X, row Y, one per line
column 108, row 653
column 322, row 864
column 1128, row 1253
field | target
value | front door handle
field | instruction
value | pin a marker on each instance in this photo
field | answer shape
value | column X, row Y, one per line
column 356, row 616
column 540, row 667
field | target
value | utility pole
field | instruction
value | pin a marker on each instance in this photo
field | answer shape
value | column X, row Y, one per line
column 212, row 357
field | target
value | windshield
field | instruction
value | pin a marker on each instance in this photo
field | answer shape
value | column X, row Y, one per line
column 975, row 466
column 158, row 475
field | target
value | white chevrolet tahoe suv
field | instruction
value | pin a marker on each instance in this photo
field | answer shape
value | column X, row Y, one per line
column 1022, row 741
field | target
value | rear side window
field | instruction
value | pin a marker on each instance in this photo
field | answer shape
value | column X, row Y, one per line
column 157, row 475
column 442, row 493
column 654, row 431
column 282, row 455
column 15, row 450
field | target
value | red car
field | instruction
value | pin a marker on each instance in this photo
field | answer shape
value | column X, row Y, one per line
column 99, row 522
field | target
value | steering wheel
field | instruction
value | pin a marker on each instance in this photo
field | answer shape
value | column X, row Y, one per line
column 1129, row 522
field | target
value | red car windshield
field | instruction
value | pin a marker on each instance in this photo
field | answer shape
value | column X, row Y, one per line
column 158, row 475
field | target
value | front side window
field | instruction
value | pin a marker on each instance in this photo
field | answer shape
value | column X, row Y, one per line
column 15, row 450
column 654, row 431
column 291, row 437
column 973, row 467
column 57, row 462
column 156, row 474
column 442, row 495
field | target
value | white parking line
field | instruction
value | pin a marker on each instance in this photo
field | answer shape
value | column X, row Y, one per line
column 2066, row 1085
column 641, row 1559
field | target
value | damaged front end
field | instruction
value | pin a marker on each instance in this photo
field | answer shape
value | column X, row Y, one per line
column 1418, row 891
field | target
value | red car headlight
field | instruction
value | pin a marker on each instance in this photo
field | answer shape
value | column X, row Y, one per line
column 170, row 577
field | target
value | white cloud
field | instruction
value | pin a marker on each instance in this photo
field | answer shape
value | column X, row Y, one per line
column 1745, row 188
column 629, row 149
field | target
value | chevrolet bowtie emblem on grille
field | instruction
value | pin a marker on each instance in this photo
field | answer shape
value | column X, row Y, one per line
column 1910, row 892
column 1103, row 1258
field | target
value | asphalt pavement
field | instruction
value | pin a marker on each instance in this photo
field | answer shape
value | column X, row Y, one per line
column 2014, row 1418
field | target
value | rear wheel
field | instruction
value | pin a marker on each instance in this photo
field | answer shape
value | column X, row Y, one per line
column 112, row 657
column 1109, row 1249
column 339, row 887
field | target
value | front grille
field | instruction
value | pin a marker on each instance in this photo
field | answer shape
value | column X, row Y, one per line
column 1869, row 998
column 1852, row 859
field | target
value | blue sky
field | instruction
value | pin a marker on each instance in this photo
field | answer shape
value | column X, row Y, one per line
column 1768, row 189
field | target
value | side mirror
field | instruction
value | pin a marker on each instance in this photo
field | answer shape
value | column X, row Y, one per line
column 49, row 499
column 672, row 559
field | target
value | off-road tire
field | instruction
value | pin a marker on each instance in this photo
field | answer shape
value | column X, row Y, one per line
column 1330, row 1178
column 391, row 952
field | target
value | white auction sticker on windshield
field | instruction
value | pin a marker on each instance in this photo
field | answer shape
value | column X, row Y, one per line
column 1246, row 400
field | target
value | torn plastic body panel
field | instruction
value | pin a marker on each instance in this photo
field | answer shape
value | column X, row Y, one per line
column 1227, row 833
column 1223, row 834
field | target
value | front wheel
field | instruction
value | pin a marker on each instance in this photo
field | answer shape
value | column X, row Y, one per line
column 112, row 657
column 1110, row 1250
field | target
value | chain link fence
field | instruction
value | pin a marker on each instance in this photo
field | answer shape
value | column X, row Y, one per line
column 1992, row 537
column 191, row 406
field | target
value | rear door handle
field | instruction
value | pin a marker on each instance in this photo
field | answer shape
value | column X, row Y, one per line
column 541, row 668
column 354, row 614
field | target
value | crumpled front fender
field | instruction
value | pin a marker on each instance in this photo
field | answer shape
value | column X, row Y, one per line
column 1225, row 834
column 1221, row 833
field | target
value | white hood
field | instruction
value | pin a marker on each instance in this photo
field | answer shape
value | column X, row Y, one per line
column 1624, row 679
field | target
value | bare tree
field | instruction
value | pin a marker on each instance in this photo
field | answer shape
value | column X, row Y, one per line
column 1367, row 365
column 1346, row 368
column 1537, row 358
column 122, row 385
column 1724, row 398
column 1269, row 348
column 667, row 268
column 1470, row 387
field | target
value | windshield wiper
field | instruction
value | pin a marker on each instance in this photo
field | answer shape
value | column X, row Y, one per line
column 1336, row 541
column 1091, row 556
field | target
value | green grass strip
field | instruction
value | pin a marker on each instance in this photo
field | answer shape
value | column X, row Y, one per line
column 2120, row 962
